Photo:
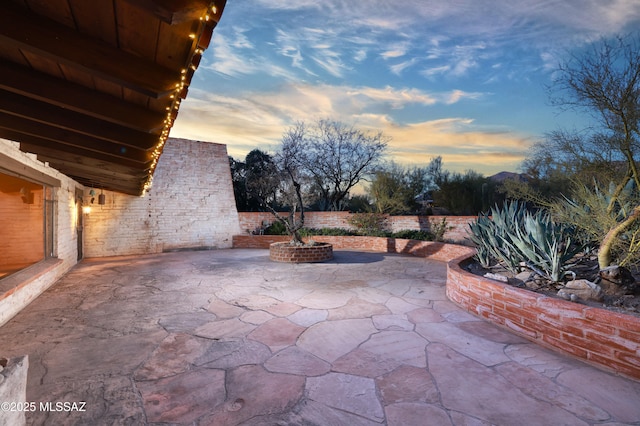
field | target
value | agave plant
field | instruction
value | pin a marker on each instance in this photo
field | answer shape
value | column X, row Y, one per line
column 546, row 245
column 490, row 234
column 513, row 236
column 480, row 235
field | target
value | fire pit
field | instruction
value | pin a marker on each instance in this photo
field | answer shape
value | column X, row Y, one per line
column 288, row 253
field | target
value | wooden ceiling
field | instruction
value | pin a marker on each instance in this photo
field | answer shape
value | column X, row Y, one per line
column 93, row 86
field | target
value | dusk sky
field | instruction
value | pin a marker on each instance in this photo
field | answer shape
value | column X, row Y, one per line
column 463, row 79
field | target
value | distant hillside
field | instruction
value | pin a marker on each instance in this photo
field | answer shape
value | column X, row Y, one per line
column 502, row 176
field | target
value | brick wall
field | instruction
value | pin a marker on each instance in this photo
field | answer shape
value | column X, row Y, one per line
column 598, row 336
column 457, row 225
column 190, row 205
column 18, row 290
column 21, row 227
column 433, row 250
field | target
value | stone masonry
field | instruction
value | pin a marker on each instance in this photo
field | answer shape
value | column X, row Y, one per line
column 190, row 205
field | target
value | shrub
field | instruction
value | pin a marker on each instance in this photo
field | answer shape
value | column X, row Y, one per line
column 411, row 234
column 306, row 232
column 371, row 224
column 276, row 228
column 594, row 212
column 438, row 229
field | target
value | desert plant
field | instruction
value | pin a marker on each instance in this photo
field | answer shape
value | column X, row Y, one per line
column 480, row 235
column 438, row 229
column 372, row 224
column 491, row 234
column 604, row 218
column 513, row 236
column 547, row 247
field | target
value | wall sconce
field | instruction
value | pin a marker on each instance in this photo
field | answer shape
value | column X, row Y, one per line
column 86, row 209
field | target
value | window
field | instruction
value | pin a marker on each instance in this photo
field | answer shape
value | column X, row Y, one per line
column 27, row 218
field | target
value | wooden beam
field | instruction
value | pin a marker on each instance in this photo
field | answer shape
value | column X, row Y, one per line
column 97, row 176
column 133, row 186
column 173, row 11
column 131, row 189
column 45, row 88
column 23, row 30
column 98, row 179
column 41, row 112
column 92, row 166
column 22, row 129
column 82, row 156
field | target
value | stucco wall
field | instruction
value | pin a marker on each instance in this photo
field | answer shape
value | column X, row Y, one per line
column 190, row 205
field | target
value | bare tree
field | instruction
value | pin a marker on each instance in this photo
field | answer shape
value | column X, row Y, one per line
column 288, row 161
column 328, row 157
column 605, row 82
column 337, row 157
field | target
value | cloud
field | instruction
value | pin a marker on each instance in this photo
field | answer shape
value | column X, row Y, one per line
column 230, row 60
column 461, row 144
column 245, row 123
column 393, row 68
column 398, row 68
column 360, row 55
column 457, row 95
column 395, row 50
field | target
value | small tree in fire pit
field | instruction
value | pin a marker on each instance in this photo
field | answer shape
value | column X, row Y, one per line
column 328, row 155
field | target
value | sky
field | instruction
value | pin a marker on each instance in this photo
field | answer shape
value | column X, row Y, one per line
column 462, row 79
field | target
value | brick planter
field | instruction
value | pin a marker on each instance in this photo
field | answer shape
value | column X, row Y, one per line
column 599, row 336
column 284, row 252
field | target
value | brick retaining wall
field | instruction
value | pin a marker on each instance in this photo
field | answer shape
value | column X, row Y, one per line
column 433, row 250
column 458, row 225
column 598, row 336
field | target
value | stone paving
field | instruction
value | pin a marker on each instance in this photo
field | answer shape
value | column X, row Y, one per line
column 227, row 337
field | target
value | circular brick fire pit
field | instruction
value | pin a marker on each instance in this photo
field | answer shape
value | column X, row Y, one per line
column 284, row 252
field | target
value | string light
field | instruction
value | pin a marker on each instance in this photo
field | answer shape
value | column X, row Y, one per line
column 172, row 109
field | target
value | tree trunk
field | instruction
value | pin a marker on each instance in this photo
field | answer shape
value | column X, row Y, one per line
column 604, row 253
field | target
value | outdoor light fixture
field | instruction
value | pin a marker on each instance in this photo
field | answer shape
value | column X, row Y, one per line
column 86, row 209
column 101, row 198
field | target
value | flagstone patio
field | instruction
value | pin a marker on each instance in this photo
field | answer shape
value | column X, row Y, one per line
column 227, row 337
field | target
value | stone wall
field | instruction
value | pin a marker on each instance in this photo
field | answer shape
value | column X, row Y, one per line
column 190, row 205
column 18, row 290
column 457, row 225
column 13, row 391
